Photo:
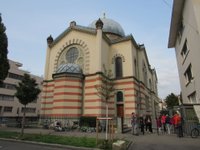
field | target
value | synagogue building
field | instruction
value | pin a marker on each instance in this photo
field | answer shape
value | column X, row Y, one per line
column 76, row 62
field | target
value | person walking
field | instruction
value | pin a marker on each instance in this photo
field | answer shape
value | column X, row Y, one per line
column 134, row 124
column 173, row 124
column 141, row 120
column 148, row 123
column 163, row 121
column 168, row 124
column 178, row 124
column 159, row 125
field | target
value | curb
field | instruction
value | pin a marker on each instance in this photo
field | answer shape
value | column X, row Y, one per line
column 129, row 144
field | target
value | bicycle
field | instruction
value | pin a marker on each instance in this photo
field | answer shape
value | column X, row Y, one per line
column 195, row 132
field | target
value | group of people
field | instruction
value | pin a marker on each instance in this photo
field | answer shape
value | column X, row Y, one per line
column 165, row 124
column 141, row 123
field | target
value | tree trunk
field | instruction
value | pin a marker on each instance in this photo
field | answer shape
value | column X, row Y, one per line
column 106, row 120
column 23, row 121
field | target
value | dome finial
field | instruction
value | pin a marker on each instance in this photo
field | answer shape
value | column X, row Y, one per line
column 99, row 24
column 49, row 40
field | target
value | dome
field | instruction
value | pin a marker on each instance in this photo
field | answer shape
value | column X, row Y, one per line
column 69, row 68
column 109, row 26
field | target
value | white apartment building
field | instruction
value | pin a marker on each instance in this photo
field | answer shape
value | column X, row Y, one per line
column 11, row 111
column 184, row 36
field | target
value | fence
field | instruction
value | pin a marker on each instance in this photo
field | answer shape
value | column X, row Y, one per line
column 189, row 118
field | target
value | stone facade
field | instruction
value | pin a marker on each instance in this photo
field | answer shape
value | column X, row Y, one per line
column 70, row 95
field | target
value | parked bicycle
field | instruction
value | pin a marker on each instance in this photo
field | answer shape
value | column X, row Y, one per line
column 195, row 132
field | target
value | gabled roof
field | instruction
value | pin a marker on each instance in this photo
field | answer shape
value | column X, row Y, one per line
column 76, row 27
column 142, row 48
column 90, row 30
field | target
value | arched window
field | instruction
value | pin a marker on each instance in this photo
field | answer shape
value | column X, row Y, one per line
column 144, row 69
column 135, row 63
column 118, row 67
column 150, row 85
column 72, row 55
column 120, row 97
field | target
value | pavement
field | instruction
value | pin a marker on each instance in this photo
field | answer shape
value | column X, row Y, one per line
column 148, row 137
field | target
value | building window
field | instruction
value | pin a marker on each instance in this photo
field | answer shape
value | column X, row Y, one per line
column 135, row 63
column 15, row 76
column 7, row 109
column 6, row 97
column 8, row 86
column 184, row 51
column 28, row 110
column 150, row 85
column 156, row 87
column 118, row 67
column 180, row 30
column 192, row 98
column 147, row 104
column 120, row 96
column 188, row 74
column 72, row 55
column 138, row 100
column 144, row 69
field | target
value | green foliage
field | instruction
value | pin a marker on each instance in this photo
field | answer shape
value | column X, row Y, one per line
column 27, row 90
column 106, row 87
column 4, row 64
column 9, row 135
column 64, row 140
column 171, row 100
column 107, row 145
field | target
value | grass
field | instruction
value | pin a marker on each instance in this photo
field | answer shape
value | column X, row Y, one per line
column 64, row 140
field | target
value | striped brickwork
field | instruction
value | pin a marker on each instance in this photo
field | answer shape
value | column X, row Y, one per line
column 47, row 98
column 128, row 87
column 93, row 103
column 62, row 98
column 67, row 97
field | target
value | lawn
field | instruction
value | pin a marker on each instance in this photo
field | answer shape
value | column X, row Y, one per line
column 64, row 140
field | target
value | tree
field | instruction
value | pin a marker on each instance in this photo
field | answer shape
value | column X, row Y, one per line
column 171, row 100
column 105, row 90
column 27, row 92
column 4, row 64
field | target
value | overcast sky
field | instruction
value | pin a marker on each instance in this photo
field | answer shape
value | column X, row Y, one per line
column 30, row 22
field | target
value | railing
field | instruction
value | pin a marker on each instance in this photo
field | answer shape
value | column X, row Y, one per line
column 188, row 126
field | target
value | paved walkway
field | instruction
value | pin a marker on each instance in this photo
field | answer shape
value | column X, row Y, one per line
column 164, row 142
column 147, row 138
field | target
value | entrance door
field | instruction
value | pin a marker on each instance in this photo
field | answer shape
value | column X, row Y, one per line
column 120, row 110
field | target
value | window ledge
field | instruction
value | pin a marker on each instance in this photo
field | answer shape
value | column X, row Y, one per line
column 185, row 57
column 189, row 82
